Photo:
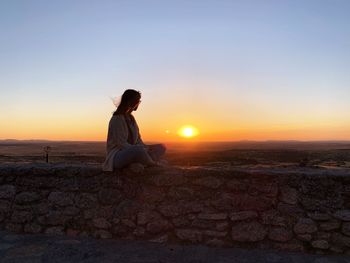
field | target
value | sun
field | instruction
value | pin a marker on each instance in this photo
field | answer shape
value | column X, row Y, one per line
column 188, row 131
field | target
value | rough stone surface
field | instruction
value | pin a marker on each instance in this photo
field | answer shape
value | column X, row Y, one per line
column 290, row 210
column 194, row 236
column 212, row 233
column 136, row 168
column 26, row 197
column 243, row 215
column 185, row 193
column 221, row 216
column 101, row 223
column 280, row 234
column 342, row 215
column 321, row 244
column 248, row 202
column 305, row 226
column 346, row 228
column 289, row 195
column 210, row 182
column 158, row 226
column 319, row 216
column 168, row 179
column 102, row 234
column 340, row 240
column 32, row 228
column 60, row 198
column 16, row 228
column 304, row 237
column 248, row 232
column 55, row 230
column 180, row 208
column 7, row 191
column 236, row 185
column 70, row 211
column 330, row 225
column 295, row 209
column 86, row 200
column 160, row 239
column 147, row 216
column 108, row 196
column 273, row 217
column 322, row 235
column 221, row 226
column 293, row 245
column 21, row 216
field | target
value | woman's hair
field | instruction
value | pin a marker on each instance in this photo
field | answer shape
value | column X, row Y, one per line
column 129, row 99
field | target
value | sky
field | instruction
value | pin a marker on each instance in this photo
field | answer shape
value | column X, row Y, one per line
column 234, row 70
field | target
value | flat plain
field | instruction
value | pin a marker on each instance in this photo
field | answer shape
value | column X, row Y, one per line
column 334, row 154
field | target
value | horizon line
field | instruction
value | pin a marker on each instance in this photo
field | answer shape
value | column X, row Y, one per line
column 183, row 141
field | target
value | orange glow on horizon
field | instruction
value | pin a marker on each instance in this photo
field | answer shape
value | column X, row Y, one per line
column 94, row 128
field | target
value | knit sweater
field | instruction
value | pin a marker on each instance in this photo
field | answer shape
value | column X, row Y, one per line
column 117, row 138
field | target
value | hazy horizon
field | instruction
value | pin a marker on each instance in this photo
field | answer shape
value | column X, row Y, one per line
column 185, row 141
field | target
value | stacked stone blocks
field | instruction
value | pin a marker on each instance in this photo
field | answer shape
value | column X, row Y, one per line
column 251, row 208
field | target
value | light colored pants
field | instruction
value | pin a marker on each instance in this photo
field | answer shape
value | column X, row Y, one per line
column 139, row 154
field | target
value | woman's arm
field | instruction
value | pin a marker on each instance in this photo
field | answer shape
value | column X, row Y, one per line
column 120, row 133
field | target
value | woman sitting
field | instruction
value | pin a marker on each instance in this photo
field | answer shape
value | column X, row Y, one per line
column 124, row 143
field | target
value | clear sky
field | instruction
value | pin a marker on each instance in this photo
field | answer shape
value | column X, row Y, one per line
column 256, row 70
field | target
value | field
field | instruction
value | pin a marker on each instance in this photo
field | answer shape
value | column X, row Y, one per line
column 279, row 153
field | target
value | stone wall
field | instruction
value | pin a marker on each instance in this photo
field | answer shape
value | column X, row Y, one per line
column 290, row 209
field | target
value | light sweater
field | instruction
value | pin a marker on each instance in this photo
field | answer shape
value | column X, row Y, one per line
column 117, row 139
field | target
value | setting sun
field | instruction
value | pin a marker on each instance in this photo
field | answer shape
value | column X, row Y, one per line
column 188, row 131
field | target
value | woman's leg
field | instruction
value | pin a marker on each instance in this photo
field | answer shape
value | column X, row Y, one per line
column 156, row 151
column 132, row 154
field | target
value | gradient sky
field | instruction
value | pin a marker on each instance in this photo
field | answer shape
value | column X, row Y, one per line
column 236, row 70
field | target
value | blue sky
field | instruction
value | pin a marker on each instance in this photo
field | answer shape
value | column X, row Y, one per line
column 227, row 67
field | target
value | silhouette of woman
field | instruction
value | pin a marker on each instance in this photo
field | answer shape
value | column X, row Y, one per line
column 124, row 143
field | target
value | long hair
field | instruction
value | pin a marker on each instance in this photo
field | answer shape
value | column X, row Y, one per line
column 129, row 98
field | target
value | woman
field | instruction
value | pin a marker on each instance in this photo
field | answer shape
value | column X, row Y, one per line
column 124, row 143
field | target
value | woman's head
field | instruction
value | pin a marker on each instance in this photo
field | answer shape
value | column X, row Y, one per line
column 129, row 102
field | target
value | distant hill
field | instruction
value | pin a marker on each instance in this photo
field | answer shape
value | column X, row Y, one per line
column 15, row 141
column 11, row 141
column 201, row 146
